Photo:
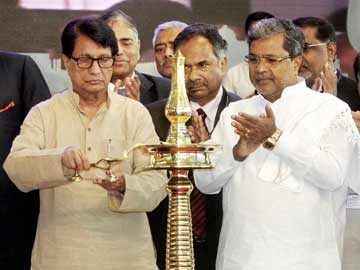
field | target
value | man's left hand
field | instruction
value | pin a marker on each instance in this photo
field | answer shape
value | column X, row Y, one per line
column 119, row 184
column 256, row 129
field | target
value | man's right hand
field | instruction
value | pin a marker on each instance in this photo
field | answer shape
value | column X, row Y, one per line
column 73, row 158
column 197, row 130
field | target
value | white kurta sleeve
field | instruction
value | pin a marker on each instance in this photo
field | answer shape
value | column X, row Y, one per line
column 213, row 180
column 144, row 189
column 322, row 161
column 29, row 165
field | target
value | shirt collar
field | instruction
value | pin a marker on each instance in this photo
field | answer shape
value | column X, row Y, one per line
column 211, row 107
column 300, row 84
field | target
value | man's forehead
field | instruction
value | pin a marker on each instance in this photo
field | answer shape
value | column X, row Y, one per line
column 167, row 35
column 193, row 57
column 86, row 46
column 268, row 45
column 123, row 30
column 310, row 32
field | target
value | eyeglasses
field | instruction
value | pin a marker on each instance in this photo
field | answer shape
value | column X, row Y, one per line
column 271, row 60
column 308, row 46
column 87, row 61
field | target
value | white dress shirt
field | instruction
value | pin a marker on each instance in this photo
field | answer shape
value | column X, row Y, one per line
column 210, row 109
column 285, row 209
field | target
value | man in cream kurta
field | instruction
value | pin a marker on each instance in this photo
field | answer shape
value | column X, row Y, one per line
column 82, row 225
column 284, row 206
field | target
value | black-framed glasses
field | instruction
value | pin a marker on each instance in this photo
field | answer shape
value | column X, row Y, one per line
column 308, row 46
column 271, row 60
column 87, row 61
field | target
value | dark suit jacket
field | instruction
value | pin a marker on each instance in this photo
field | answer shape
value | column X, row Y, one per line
column 158, row 218
column 23, row 86
column 153, row 88
column 347, row 92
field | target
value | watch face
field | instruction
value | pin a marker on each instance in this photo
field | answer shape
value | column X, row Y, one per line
column 268, row 145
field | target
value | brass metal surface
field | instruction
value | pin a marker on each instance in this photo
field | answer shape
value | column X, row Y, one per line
column 178, row 155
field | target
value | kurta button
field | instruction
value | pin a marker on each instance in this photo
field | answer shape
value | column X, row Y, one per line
column 89, row 129
column 89, row 148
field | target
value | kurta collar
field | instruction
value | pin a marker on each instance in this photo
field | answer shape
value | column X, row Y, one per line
column 75, row 99
column 287, row 92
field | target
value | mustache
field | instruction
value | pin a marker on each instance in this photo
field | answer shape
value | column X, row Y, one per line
column 166, row 61
column 263, row 77
column 195, row 84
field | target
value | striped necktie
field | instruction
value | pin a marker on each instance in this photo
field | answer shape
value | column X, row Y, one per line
column 198, row 200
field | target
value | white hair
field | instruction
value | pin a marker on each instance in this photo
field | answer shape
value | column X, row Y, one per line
column 167, row 25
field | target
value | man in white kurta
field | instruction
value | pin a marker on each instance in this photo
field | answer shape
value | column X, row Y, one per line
column 82, row 225
column 284, row 208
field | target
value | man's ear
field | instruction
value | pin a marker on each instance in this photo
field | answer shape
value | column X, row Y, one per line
column 331, row 50
column 223, row 64
column 65, row 60
column 139, row 50
column 297, row 63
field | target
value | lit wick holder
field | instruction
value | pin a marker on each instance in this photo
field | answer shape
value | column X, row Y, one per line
column 173, row 156
column 106, row 164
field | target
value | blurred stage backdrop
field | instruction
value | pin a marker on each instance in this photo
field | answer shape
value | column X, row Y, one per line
column 34, row 26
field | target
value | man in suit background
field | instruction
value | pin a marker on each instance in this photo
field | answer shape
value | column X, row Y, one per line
column 356, row 115
column 22, row 86
column 139, row 86
column 319, row 55
column 205, row 64
column 163, row 43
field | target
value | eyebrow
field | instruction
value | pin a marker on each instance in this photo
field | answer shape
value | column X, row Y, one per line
column 92, row 56
column 126, row 39
column 160, row 44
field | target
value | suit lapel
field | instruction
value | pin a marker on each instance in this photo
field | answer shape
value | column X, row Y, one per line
column 146, row 95
column 223, row 104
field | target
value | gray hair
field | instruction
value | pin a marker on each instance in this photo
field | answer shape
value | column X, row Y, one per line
column 167, row 25
column 113, row 15
column 294, row 37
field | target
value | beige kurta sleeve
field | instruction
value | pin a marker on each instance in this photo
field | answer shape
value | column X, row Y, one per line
column 29, row 165
column 144, row 189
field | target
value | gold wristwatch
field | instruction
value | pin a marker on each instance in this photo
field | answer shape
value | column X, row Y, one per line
column 270, row 142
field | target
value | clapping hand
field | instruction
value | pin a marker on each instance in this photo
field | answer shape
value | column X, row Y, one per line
column 197, row 129
column 132, row 87
column 329, row 79
column 253, row 131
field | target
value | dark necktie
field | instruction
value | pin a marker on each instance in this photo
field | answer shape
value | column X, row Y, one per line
column 198, row 201
column 203, row 116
